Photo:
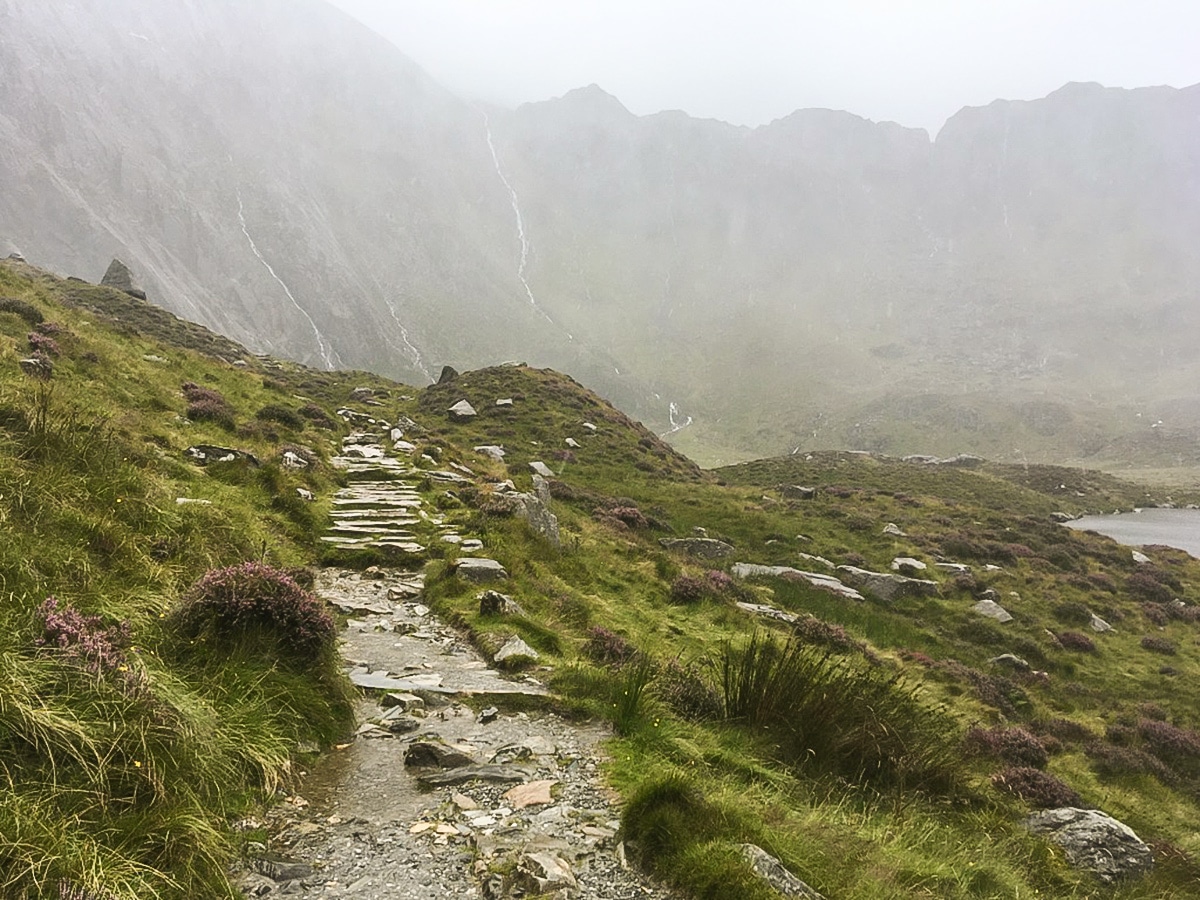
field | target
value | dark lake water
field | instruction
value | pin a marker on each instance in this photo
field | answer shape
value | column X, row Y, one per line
column 1172, row 527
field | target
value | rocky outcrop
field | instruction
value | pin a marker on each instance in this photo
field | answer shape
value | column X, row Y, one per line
column 119, row 277
column 774, row 873
column 887, row 586
column 478, row 569
column 1094, row 841
column 462, row 411
column 992, row 610
column 816, row 579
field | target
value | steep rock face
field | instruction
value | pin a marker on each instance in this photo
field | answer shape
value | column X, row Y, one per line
column 277, row 172
column 271, row 169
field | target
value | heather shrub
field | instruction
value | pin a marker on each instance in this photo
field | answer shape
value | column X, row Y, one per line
column 51, row 328
column 318, row 416
column 1015, row 746
column 688, row 589
column 607, row 647
column 85, row 641
column 1112, row 760
column 1074, row 640
column 1039, row 789
column 43, row 343
column 38, row 365
column 1169, row 742
column 27, row 311
column 207, row 405
column 721, row 582
column 1156, row 613
column 1066, row 730
column 811, row 630
column 1142, row 585
column 276, row 412
column 256, row 601
column 1157, row 644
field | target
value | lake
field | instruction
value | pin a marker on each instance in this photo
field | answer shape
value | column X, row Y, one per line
column 1172, row 527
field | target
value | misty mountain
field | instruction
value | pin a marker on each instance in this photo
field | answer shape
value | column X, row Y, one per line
column 1027, row 283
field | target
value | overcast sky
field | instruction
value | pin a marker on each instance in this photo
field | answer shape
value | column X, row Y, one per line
column 916, row 62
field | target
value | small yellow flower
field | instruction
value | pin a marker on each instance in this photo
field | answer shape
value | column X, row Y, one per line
column 122, row 668
column 137, row 763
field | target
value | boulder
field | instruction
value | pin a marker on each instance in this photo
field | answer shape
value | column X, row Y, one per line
column 540, row 468
column 478, row 569
column 1140, row 558
column 1094, row 841
column 1099, row 625
column 573, row 444
column 433, row 755
column 816, row 579
column 906, row 565
column 493, row 603
column 362, row 393
column 118, row 276
column 962, row 460
column 992, row 610
column 797, row 492
column 504, row 402
column 515, row 652
column 1010, row 661
column 590, row 427
column 701, row 547
column 534, row 508
column 494, row 451
column 545, row 873
column 773, row 872
column 449, row 373
column 462, row 411
column 293, row 460
column 887, row 586
column 893, row 530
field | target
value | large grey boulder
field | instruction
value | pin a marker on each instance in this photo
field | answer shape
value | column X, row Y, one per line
column 1094, row 841
column 816, row 579
column 515, row 652
column 774, row 873
column 118, row 276
column 887, row 586
column 478, row 569
column 534, row 508
column 993, row 610
column 462, row 411
column 701, row 547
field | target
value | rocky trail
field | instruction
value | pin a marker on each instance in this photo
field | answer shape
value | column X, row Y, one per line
column 457, row 782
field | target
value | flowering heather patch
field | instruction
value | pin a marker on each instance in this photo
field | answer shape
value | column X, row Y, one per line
column 318, row 416
column 608, row 647
column 87, row 641
column 1015, row 746
column 50, row 328
column 1169, row 741
column 226, row 604
column 1037, row 788
column 720, row 582
column 687, row 589
column 39, row 365
column 1144, row 586
column 43, row 343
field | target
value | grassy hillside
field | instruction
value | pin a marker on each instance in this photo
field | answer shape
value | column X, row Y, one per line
column 874, row 746
column 125, row 749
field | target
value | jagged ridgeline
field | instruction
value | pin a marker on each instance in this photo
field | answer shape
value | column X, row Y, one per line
column 796, row 656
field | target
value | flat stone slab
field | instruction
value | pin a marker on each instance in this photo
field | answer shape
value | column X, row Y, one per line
column 817, row 579
column 464, row 774
column 480, row 569
column 992, row 610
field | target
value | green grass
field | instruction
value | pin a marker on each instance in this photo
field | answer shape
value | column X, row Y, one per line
column 836, row 748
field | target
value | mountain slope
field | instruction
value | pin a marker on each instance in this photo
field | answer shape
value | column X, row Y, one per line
column 278, row 172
